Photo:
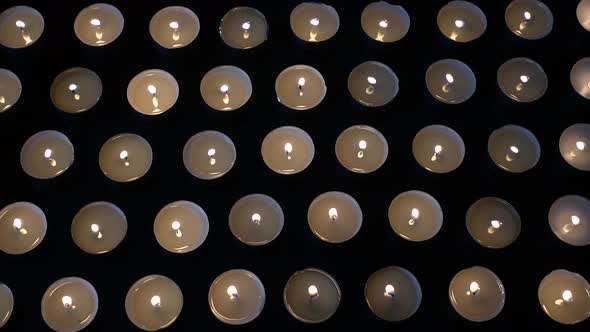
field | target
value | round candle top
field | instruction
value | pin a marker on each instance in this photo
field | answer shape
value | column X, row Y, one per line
column 361, row 149
column 580, row 77
column 569, row 218
column 574, row 145
column 334, row 217
column 393, row 293
column 99, row 24
column 314, row 21
column 450, row 81
column 6, row 304
column 226, row 88
column 461, row 21
column 583, row 14
column 236, row 297
column 477, row 294
column 243, row 28
column 514, row 149
column 153, row 302
column 46, row 154
column 493, row 222
column 125, row 157
column 438, row 149
column 373, row 84
column 99, row 227
column 287, row 150
column 152, row 92
column 415, row 215
column 385, row 22
column 20, row 26
column 10, row 89
column 174, row 27
column 69, row 305
column 209, row 155
column 565, row 296
column 522, row 79
column 181, row 227
column 76, row 90
column 312, row 295
column 300, row 87
column 529, row 19
column 256, row 219
column 22, row 227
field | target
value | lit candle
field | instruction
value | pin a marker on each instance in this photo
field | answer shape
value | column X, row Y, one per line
column 477, row 294
column 580, row 77
column 181, row 227
column 493, row 222
column 415, row 215
column 514, row 149
column 529, row 19
column 99, row 24
column 385, row 22
column 243, row 28
column 373, row 84
column 69, row 305
column 311, row 295
column 256, row 219
column 393, row 293
column 334, row 217
column 461, row 21
column 99, row 227
column 565, row 296
column 209, row 155
column 300, row 87
column 20, row 26
column 125, row 157
column 236, row 297
column 287, row 150
column 6, row 304
column 22, row 227
column 522, row 79
column 76, row 90
column 174, row 27
column 574, row 145
column 314, row 21
column 46, row 154
column 569, row 218
column 450, row 81
column 583, row 14
column 226, row 88
column 152, row 92
column 10, row 89
column 438, row 149
column 361, row 149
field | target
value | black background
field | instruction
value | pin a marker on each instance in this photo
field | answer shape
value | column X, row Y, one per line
column 521, row 266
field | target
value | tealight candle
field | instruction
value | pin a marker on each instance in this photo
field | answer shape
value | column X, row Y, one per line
column 565, row 296
column 22, row 227
column 493, row 222
column 361, row 149
column 243, row 28
column 522, row 79
column 46, row 154
column 314, row 21
column 99, row 227
column 514, row 149
column 415, row 215
column 209, row 155
column 450, row 81
column 461, row 21
column 20, row 26
column 583, row 14
column 529, row 19
column 174, row 27
column 477, row 294
column 181, row 227
column 226, row 88
column 287, row 150
column 236, row 297
column 152, row 92
column 300, row 87
column 76, row 90
column 569, row 218
column 580, row 77
column 125, row 157
column 153, row 302
column 373, row 84
column 256, row 219
column 10, row 89
column 438, row 149
column 312, row 295
column 393, row 293
column 99, row 24
column 334, row 217
column 6, row 304
column 574, row 145
column 69, row 305
column 385, row 22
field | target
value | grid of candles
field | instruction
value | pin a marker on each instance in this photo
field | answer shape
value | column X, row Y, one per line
column 311, row 295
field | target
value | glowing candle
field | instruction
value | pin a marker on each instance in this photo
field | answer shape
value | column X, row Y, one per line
column 393, row 293
column 373, row 84
column 243, row 28
column 152, row 92
column 529, row 19
column 583, row 14
column 461, row 21
column 574, row 145
column 287, row 150
column 514, row 149
column 99, row 227
column 569, row 218
column 312, row 295
column 477, row 294
column 361, row 149
column 209, row 155
column 415, row 215
column 236, row 297
column 174, row 27
column 22, row 227
column 565, row 297
column 450, row 81
column 314, row 22
column 300, row 87
column 226, row 88
column 256, row 219
column 334, row 217
column 493, row 222
column 181, row 227
column 125, row 157
column 10, row 89
column 69, row 305
column 20, row 26
column 385, row 22
column 99, row 24
column 6, row 304
column 76, row 90
column 46, row 154
column 438, row 149
column 522, row 79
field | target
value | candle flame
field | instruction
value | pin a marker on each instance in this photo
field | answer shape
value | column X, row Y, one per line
column 256, row 218
column 20, row 24
column 232, row 291
column 389, row 291
column 384, row 24
column 333, row 213
column 459, row 24
column 313, row 291
column 580, row 145
column 67, row 302
column 156, row 301
column 315, row 21
column 473, row 288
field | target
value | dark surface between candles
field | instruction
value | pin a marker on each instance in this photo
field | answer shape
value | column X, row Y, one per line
column 520, row 266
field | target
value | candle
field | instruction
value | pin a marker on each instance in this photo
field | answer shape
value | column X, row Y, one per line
column 236, row 297
column 69, row 305
column 334, row 217
column 174, row 27
column 438, row 149
column 574, row 145
column 522, row 79
column 583, row 14
column 565, row 296
column 361, row 149
column 46, row 154
column 477, row 294
column 311, row 295
column 209, row 155
column 76, row 90
column 6, row 304
column 450, row 81
column 493, row 222
column 514, row 149
column 226, row 88
column 373, row 84
column 125, row 157
column 300, row 87
column 287, row 150
column 243, row 28
column 314, row 21
column 153, row 302
column 256, row 219
column 385, row 22
column 461, row 21
column 568, row 217
column 10, row 89
column 529, row 19
column 99, row 227
column 580, row 77
column 181, row 227
column 22, row 227
column 20, row 26
column 152, row 92
column 415, row 215
column 393, row 293
column 99, row 24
